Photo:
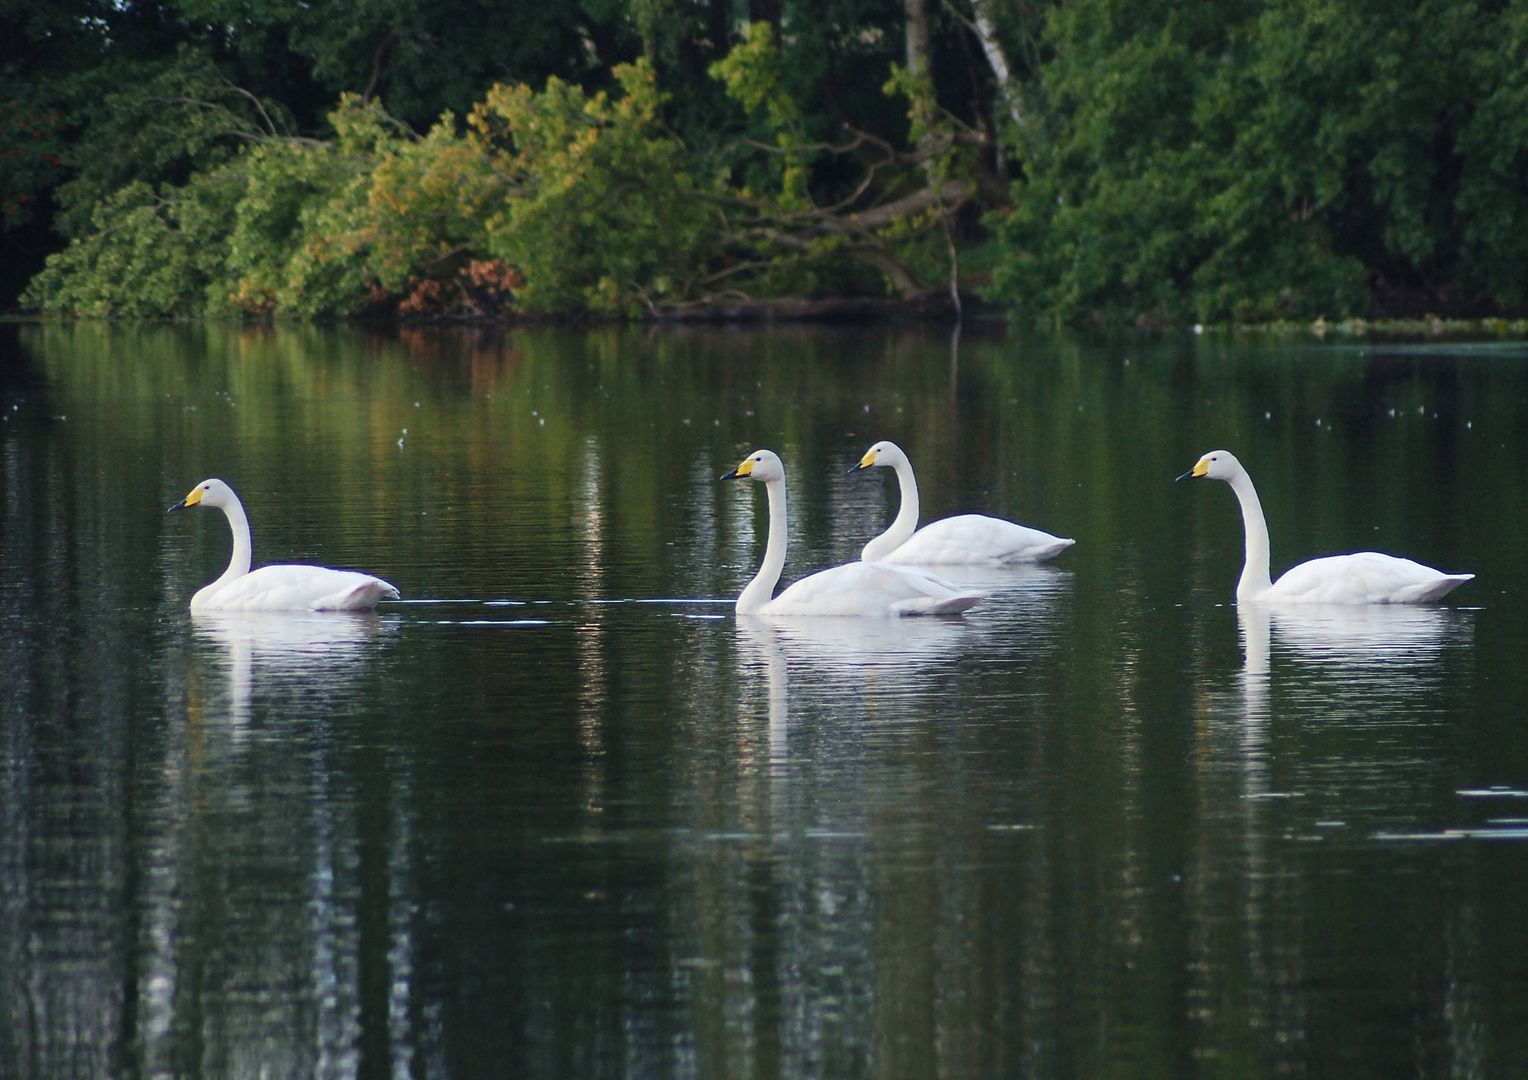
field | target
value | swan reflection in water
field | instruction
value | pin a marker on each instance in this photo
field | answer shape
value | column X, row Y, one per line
column 315, row 647
column 850, row 645
column 1353, row 691
column 1342, row 666
column 1025, row 607
column 1326, row 737
column 842, row 677
column 1359, row 637
column 838, row 659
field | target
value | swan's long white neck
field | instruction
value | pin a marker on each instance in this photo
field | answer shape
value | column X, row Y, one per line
column 762, row 588
column 238, row 564
column 906, row 521
column 1254, row 583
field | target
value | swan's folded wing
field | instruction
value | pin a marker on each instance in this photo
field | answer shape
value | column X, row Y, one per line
column 873, row 589
column 1365, row 577
column 292, row 587
column 977, row 539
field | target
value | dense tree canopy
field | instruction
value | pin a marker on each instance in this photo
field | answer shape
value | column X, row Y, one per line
column 1271, row 159
column 1087, row 160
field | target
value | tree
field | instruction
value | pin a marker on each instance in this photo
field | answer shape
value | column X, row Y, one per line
column 1273, row 159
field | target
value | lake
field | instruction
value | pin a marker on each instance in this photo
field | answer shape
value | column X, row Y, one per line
column 560, row 812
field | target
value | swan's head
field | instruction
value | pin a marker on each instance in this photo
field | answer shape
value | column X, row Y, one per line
column 882, row 453
column 1216, row 465
column 759, row 465
column 208, row 493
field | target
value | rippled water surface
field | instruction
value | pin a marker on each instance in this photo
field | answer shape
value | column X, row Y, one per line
column 561, row 813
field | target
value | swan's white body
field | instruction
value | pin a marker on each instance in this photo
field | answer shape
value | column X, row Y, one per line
column 276, row 588
column 1366, row 577
column 859, row 589
column 965, row 539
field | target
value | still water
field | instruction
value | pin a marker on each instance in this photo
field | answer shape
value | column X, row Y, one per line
column 560, row 813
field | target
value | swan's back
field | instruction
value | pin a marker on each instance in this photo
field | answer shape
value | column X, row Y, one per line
column 295, row 587
column 1365, row 577
column 872, row 589
column 976, row 539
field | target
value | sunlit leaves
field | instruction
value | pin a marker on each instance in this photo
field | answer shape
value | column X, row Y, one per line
column 604, row 215
column 583, row 200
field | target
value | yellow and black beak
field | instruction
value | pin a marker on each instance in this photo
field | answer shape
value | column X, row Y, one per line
column 745, row 469
column 864, row 462
column 192, row 499
column 1202, row 467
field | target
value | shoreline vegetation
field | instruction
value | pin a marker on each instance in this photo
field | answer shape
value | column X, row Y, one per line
column 1330, row 165
column 1427, row 328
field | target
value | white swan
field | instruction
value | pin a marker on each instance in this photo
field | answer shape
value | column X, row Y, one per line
column 965, row 538
column 875, row 589
column 1366, row 577
column 276, row 588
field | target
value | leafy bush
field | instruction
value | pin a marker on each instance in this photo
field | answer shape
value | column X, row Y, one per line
column 583, row 198
column 603, row 214
column 149, row 253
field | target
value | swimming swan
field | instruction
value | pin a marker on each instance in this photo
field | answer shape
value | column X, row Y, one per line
column 874, row 589
column 965, row 538
column 1367, row 577
column 276, row 588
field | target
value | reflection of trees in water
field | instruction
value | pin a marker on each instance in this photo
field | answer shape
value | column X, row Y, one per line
column 195, row 905
column 1360, row 694
column 270, row 866
column 842, row 922
column 829, row 903
column 959, row 846
column 64, row 860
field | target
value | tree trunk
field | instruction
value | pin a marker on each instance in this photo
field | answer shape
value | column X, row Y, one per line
column 919, row 37
column 919, row 31
column 1007, row 87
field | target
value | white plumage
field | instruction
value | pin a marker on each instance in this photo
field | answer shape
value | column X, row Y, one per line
column 964, row 539
column 290, row 587
column 1366, row 577
column 858, row 589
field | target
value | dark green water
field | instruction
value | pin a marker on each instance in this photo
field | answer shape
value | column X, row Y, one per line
column 561, row 814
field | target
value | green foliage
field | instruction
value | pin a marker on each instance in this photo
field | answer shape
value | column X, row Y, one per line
column 1127, row 206
column 430, row 206
column 278, row 227
column 752, row 75
column 1278, row 159
column 584, row 196
column 156, row 122
column 1247, row 160
column 604, row 215
column 150, row 253
column 293, row 246
column 606, row 190
column 1493, row 147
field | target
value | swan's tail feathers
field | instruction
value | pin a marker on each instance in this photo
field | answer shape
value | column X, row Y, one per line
column 1437, row 589
column 1041, row 554
column 362, row 596
column 945, row 605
